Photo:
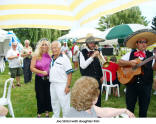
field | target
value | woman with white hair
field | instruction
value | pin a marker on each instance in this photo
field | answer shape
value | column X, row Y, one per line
column 3, row 111
column 84, row 95
column 40, row 65
column 27, row 55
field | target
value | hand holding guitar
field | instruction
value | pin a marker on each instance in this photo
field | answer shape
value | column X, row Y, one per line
column 133, row 63
column 154, row 66
column 126, row 73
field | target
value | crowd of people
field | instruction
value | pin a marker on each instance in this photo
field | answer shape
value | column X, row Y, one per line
column 53, row 70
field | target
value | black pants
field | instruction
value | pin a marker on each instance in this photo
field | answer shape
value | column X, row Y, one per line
column 42, row 88
column 26, row 70
column 99, row 98
column 140, row 92
column 114, row 82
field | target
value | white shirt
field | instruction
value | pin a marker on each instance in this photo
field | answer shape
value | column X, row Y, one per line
column 85, row 63
column 126, row 57
column 59, row 70
column 16, row 62
column 76, row 48
column 64, row 48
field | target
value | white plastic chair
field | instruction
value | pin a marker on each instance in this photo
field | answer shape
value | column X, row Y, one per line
column 108, row 86
column 6, row 98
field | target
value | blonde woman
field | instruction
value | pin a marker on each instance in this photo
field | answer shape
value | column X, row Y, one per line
column 84, row 95
column 40, row 64
column 27, row 55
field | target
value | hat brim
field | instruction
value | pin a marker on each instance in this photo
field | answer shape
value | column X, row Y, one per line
column 83, row 40
column 148, row 34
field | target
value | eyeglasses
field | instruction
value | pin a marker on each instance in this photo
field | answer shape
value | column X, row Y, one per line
column 141, row 42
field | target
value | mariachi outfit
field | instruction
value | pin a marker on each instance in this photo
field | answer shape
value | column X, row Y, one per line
column 91, row 67
column 141, row 86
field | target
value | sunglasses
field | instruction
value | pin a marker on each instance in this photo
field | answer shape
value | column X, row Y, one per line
column 141, row 42
column 43, row 39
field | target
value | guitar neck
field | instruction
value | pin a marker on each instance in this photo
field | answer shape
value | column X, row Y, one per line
column 145, row 61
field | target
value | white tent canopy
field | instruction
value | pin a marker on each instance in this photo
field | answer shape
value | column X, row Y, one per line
column 4, row 42
column 81, row 32
column 109, row 42
column 3, row 35
column 58, row 14
column 4, row 46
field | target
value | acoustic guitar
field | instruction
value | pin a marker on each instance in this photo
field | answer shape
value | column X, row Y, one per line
column 126, row 73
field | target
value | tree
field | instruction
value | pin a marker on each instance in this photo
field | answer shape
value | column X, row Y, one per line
column 35, row 34
column 154, row 23
column 132, row 15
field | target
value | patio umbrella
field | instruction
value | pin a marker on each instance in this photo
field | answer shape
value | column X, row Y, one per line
column 58, row 14
column 122, row 31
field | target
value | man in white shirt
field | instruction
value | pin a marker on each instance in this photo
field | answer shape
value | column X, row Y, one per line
column 65, row 49
column 60, row 77
column 15, row 63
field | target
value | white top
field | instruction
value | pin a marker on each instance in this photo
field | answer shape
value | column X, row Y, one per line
column 66, row 49
column 76, row 48
column 59, row 70
column 16, row 62
column 63, row 48
column 126, row 57
column 85, row 63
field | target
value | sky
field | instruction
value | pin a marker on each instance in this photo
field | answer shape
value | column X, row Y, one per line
column 148, row 10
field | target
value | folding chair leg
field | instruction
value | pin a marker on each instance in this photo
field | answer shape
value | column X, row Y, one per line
column 109, row 90
column 11, row 110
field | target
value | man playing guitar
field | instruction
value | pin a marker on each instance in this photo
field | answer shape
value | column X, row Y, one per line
column 141, row 86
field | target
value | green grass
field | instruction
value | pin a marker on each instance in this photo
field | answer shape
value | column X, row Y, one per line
column 24, row 101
